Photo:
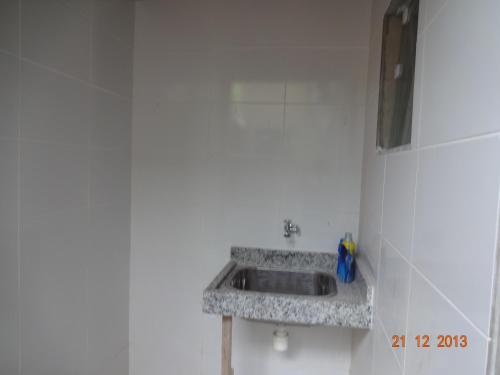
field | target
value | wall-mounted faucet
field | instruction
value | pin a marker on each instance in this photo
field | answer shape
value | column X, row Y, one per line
column 290, row 228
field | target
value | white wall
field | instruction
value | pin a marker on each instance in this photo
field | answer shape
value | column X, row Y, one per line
column 245, row 113
column 429, row 214
column 65, row 114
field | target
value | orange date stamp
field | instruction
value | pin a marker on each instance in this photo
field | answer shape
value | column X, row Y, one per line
column 426, row 341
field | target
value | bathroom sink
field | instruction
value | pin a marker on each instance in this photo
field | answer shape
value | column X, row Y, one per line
column 284, row 282
column 290, row 287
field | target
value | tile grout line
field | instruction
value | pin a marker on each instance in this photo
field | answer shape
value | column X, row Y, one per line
column 412, row 240
column 415, row 194
column 381, row 227
column 280, row 102
column 386, row 335
column 405, row 353
column 131, row 267
column 84, row 82
column 435, row 16
column 283, row 188
column 423, row 38
column 10, row 138
column 91, row 45
column 89, row 16
column 19, row 101
column 379, row 260
column 377, row 289
column 491, row 358
column 431, row 284
column 283, row 129
column 421, row 93
column 131, row 339
column 131, row 334
column 88, row 208
column 51, row 142
column 467, row 139
column 175, row 51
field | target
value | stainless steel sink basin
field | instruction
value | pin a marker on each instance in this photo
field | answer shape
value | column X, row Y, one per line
column 284, row 282
column 290, row 287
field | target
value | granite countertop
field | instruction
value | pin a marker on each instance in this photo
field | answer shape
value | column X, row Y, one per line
column 351, row 306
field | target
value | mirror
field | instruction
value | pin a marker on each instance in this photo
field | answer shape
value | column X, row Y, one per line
column 397, row 74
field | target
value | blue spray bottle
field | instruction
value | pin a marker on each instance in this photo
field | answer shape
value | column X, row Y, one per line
column 346, row 265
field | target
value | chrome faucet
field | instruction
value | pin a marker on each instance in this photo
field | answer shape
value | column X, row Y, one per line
column 290, row 228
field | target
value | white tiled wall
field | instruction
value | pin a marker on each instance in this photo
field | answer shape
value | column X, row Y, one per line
column 8, row 266
column 65, row 124
column 429, row 215
column 245, row 113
